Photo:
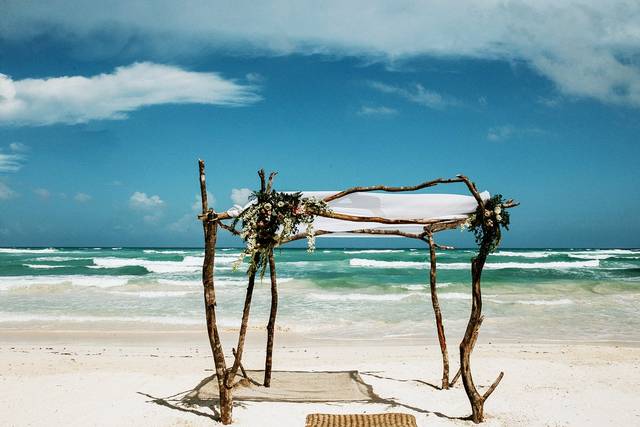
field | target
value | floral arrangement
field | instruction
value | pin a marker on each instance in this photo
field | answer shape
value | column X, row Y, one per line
column 273, row 218
column 485, row 223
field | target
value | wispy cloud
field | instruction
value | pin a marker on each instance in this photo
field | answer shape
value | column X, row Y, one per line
column 506, row 132
column 6, row 192
column 13, row 161
column 140, row 201
column 82, row 197
column 10, row 162
column 79, row 99
column 255, row 78
column 417, row 94
column 188, row 222
column 376, row 111
column 18, row 147
column 42, row 193
column 586, row 48
column 196, row 206
column 240, row 196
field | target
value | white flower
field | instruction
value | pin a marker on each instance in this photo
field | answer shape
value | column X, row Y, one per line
column 280, row 204
column 267, row 206
column 498, row 218
column 489, row 223
column 497, row 210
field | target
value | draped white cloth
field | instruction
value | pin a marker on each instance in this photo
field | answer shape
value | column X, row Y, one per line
column 391, row 206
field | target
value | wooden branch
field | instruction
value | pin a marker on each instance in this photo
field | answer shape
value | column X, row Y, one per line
column 455, row 378
column 437, row 312
column 391, row 189
column 235, row 355
column 244, row 324
column 382, row 220
column 229, row 228
column 270, row 182
column 203, row 188
column 493, row 386
column 271, row 325
column 472, row 188
column 263, row 185
column 210, row 229
column 210, row 215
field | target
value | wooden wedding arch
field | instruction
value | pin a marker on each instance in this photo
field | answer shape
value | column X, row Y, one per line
column 489, row 237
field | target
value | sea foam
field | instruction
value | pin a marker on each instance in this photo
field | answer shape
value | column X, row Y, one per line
column 553, row 265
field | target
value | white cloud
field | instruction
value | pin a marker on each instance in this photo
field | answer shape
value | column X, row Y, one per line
column 586, row 47
column 10, row 162
column 196, row 206
column 6, row 192
column 254, row 77
column 43, row 193
column 240, row 196
column 505, row 132
column 416, row 94
column 376, row 111
column 18, row 147
column 82, row 197
column 141, row 201
column 185, row 223
column 79, row 99
column 500, row 133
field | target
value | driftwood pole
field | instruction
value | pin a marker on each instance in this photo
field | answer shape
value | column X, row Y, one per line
column 438, row 314
column 243, row 327
column 272, row 320
column 475, row 321
column 210, row 227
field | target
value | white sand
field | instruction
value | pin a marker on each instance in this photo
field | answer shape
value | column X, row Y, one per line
column 98, row 378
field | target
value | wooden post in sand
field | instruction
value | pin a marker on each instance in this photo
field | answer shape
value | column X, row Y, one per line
column 210, row 226
column 272, row 321
column 436, row 310
column 475, row 320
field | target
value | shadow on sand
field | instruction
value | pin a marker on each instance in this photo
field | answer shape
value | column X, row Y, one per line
column 289, row 386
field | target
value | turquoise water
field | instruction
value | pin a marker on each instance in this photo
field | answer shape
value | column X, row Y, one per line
column 529, row 294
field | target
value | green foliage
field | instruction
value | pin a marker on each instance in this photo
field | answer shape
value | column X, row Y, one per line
column 486, row 223
column 273, row 218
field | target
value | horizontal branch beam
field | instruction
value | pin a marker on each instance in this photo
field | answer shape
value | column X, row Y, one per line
column 391, row 189
column 379, row 219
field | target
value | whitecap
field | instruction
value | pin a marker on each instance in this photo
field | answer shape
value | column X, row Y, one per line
column 361, row 297
column 155, row 294
column 555, row 265
column 188, row 264
column 563, row 301
column 523, row 254
column 167, row 251
column 374, row 251
column 363, row 262
column 27, row 251
column 58, row 258
column 43, row 266
column 13, row 282
column 30, row 317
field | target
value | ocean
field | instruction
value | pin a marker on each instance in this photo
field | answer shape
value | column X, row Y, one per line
column 529, row 294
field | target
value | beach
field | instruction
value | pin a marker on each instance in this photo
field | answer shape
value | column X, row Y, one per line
column 115, row 336
column 128, row 378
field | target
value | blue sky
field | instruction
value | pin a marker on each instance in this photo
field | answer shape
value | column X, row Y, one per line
column 104, row 113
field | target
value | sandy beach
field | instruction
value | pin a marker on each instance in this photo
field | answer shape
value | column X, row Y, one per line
column 131, row 378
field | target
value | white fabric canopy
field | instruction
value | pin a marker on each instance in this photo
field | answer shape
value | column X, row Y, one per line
column 391, row 206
